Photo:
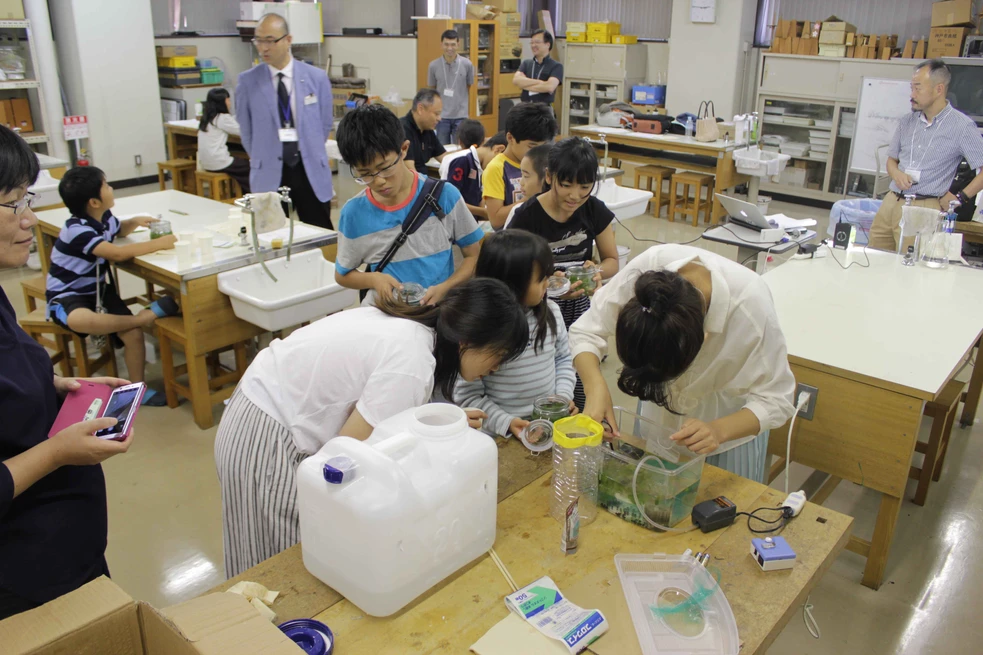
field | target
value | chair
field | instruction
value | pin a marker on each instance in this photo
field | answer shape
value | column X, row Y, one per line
column 942, row 411
column 207, row 378
column 691, row 206
column 71, row 347
column 220, row 186
column 182, row 174
column 34, row 290
column 652, row 177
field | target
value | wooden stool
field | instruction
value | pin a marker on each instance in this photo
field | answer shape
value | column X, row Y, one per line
column 36, row 324
column 208, row 381
column 220, row 185
column 652, row 175
column 34, row 290
column 942, row 410
column 691, row 206
column 182, row 174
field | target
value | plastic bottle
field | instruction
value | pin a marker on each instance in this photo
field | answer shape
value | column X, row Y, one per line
column 690, row 126
column 903, row 250
column 740, row 128
column 754, row 127
column 576, row 465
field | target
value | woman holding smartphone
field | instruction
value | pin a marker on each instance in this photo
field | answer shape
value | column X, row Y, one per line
column 53, row 522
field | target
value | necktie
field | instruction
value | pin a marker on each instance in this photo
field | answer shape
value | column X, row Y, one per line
column 291, row 149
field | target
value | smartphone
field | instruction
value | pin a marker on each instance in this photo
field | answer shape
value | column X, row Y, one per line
column 122, row 405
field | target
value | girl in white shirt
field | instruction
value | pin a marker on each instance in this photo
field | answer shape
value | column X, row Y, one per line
column 343, row 375
column 217, row 123
column 700, row 341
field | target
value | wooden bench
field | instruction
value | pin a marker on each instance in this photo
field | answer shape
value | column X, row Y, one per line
column 653, row 177
column 221, row 186
column 72, row 349
column 182, row 173
column 691, row 206
column 211, row 379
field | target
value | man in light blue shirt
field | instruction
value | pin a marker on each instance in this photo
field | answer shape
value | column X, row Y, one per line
column 452, row 76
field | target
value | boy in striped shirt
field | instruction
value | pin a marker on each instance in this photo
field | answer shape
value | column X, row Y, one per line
column 371, row 140
column 80, row 260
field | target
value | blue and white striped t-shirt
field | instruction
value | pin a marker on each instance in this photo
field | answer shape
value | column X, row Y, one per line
column 73, row 266
column 935, row 149
column 367, row 228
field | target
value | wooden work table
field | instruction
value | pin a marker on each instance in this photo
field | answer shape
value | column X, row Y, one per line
column 209, row 321
column 971, row 230
column 458, row 611
column 182, row 138
column 878, row 343
column 674, row 151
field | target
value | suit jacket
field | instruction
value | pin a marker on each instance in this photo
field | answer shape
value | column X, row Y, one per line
column 259, row 120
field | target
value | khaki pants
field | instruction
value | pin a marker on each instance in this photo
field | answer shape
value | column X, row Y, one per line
column 886, row 229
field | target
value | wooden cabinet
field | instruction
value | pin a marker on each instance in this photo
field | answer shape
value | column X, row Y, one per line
column 479, row 44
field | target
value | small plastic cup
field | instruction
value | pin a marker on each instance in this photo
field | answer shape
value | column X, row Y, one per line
column 183, row 251
column 411, row 294
column 205, row 244
column 189, row 236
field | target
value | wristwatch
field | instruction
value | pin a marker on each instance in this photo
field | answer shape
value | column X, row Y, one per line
column 962, row 198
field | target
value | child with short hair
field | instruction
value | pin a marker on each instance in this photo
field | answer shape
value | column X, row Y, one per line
column 463, row 168
column 572, row 220
column 371, row 140
column 522, row 261
column 526, row 125
column 533, row 181
column 79, row 262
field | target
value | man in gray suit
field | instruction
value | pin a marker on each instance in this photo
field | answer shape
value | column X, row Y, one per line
column 284, row 111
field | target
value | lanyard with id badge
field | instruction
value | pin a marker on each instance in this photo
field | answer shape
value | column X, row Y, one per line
column 287, row 134
column 914, row 171
column 448, row 85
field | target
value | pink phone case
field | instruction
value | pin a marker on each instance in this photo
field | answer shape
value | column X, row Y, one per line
column 79, row 402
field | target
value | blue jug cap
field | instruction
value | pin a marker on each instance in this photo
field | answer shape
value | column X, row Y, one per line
column 312, row 637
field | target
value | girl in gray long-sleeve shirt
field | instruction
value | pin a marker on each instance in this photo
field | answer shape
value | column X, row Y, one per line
column 524, row 262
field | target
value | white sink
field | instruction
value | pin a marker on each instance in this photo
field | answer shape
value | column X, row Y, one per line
column 305, row 290
column 625, row 202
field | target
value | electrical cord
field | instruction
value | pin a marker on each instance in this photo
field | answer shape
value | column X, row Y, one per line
column 781, row 520
column 800, row 404
column 833, row 254
column 811, row 624
column 662, row 243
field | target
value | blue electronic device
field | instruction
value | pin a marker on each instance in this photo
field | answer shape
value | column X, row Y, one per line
column 772, row 553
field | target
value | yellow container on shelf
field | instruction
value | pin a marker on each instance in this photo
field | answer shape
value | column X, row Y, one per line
column 175, row 62
column 609, row 28
column 624, row 38
column 598, row 38
column 576, row 27
column 577, row 37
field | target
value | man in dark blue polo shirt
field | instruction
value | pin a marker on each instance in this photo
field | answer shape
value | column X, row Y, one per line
column 419, row 128
column 538, row 77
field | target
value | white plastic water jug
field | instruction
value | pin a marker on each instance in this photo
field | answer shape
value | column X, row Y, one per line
column 419, row 505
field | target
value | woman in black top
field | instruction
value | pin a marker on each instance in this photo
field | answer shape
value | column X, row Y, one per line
column 572, row 221
column 52, row 492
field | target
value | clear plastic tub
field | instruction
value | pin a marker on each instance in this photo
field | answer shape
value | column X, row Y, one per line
column 584, row 275
column 665, row 485
column 760, row 163
column 704, row 626
column 411, row 294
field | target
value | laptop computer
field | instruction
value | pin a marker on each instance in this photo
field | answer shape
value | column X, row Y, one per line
column 746, row 213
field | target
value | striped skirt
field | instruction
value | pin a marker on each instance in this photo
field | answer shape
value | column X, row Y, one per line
column 257, row 464
column 747, row 460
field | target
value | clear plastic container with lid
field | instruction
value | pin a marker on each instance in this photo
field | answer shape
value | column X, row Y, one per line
column 538, row 435
column 160, row 228
column 411, row 294
column 576, row 464
column 584, row 275
column 557, row 286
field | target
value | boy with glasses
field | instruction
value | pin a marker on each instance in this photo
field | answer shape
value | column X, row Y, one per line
column 371, row 141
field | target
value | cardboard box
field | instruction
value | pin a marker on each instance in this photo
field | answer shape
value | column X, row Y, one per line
column 829, row 37
column 954, row 13
column 510, row 35
column 509, row 50
column 832, row 50
column 577, row 37
column 6, row 114
column 11, row 10
column 509, row 20
column 101, row 618
column 176, row 50
column 834, row 24
column 920, row 49
column 504, row 5
column 22, row 114
column 851, row 38
column 479, row 11
column 625, row 39
column 946, row 41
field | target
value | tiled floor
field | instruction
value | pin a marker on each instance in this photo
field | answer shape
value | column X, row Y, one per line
column 165, row 541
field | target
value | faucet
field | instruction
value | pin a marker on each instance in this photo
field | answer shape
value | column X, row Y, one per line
column 246, row 203
column 602, row 142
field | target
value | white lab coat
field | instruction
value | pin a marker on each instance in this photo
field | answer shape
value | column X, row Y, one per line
column 743, row 362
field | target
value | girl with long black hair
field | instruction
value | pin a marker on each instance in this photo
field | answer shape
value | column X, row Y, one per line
column 217, row 123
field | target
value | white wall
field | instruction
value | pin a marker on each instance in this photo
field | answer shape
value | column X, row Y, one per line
column 706, row 61
column 108, row 66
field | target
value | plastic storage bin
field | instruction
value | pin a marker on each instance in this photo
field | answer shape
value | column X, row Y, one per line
column 752, row 161
column 859, row 212
column 420, row 505
column 211, row 76
column 666, row 484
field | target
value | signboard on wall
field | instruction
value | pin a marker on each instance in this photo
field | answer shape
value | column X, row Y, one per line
column 75, row 127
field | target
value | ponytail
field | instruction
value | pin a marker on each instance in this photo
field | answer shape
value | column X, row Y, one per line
column 659, row 333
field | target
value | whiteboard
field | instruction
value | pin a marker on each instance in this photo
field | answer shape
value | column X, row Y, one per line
column 881, row 106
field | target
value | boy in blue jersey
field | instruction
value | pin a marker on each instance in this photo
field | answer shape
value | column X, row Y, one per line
column 80, row 260
column 372, row 142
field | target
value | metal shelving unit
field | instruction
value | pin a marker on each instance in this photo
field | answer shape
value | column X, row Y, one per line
column 20, row 31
